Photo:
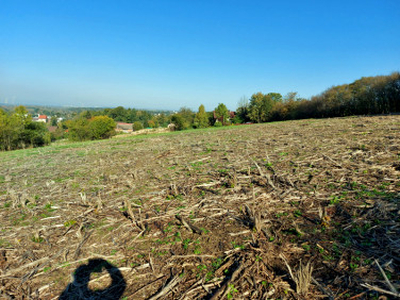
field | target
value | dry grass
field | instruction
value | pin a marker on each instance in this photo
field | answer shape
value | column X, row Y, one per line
column 302, row 277
column 207, row 213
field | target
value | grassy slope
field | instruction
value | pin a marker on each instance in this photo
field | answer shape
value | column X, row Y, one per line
column 264, row 198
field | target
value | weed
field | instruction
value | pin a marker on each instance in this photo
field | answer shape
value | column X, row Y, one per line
column 196, row 164
column 232, row 291
column 209, row 276
column 202, row 267
column 297, row 213
column 48, row 208
column 353, row 266
column 388, row 275
column 335, row 200
column 235, row 245
column 37, row 239
column 336, row 250
column 327, row 257
column 186, row 243
column 282, row 214
column 134, row 264
column 178, row 236
column 268, row 165
column 45, row 215
column 65, row 265
column 169, row 227
column 161, row 253
column 331, row 186
column 4, row 243
column 69, row 223
column 217, row 263
column 31, row 205
column 197, row 250
column 367, row 262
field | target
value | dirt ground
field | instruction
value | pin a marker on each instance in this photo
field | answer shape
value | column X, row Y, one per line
column 290, row 210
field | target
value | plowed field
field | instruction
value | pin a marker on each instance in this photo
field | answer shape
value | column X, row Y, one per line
column 292, row 210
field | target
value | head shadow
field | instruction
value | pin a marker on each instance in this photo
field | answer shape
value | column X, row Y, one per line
column 79, row 288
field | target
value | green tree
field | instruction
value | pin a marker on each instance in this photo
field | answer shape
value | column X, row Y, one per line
column 276, row 97
column 179, row 121
column 183, row 119
column 201, row 119
column 137, row 126
column 188, row 117
column 78, row 129
column 242, row 111
column 221, row 113
column 34, row 135
column 17, row 130
column 87, row 114
column 101, row 127
column 118, row 114
column 6, row 132
column 22, row 115
column 143, row 116
column 53, row 121
column 260, row 107
column 162, row 120
column 132, row 115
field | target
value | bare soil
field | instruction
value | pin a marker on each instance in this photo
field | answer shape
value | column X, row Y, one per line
column 292, row 210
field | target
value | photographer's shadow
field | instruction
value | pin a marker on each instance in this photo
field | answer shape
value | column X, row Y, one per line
column 79, row 289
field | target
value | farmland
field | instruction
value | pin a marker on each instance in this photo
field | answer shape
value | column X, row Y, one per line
column 298, row 209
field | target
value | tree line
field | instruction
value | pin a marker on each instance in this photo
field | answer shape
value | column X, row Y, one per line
column 147, row 119
column 368, row 95
column 17, row 130
column 365, row 96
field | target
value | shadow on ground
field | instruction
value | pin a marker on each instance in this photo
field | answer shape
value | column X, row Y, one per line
column 79, row 288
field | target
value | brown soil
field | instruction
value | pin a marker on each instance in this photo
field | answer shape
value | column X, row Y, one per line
column 292, row 210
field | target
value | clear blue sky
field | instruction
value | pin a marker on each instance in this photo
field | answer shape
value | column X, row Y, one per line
column 169, row 54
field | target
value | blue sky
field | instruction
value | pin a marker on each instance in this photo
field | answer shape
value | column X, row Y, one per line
column 169, row 54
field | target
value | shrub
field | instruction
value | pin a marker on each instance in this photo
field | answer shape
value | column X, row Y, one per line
column 101, row 127
column 96, row 128
column 137, row 126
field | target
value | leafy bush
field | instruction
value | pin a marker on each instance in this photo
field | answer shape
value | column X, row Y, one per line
column 101, row 127
column 180, row 122
column 137, row 126
column 17, row 130
column 96, row 128
column 78, row 129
